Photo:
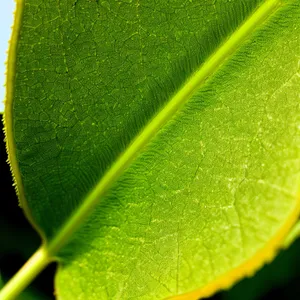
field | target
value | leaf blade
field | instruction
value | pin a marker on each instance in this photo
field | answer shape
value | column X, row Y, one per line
column 161, row 189
column 162, row 117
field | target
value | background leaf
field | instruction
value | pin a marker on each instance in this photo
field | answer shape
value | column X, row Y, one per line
column 211, row 190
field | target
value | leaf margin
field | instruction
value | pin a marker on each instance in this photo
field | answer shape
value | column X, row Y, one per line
column 223, row 282
column 7, row 116
column 251, row 266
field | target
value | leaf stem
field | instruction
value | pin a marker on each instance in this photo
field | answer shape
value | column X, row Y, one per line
column 38, row 261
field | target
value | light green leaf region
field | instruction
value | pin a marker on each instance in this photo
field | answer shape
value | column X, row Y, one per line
column 214, row 187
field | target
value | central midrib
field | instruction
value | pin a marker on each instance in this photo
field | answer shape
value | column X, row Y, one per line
column 150, row 130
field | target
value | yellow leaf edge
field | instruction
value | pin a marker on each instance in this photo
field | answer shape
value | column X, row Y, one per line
column 252, row 265
column 7, row 116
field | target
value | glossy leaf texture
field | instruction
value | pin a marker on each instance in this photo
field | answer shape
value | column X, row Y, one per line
column 212, row 195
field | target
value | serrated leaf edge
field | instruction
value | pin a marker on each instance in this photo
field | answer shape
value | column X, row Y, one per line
column 225, row 281
column 248, row 268
column 7, row 116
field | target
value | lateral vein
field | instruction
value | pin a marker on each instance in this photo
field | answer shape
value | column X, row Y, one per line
column 168, row 111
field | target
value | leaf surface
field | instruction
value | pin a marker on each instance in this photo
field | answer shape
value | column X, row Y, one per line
column 214, row 190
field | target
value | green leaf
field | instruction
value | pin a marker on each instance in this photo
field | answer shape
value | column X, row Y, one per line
column 173, row 128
